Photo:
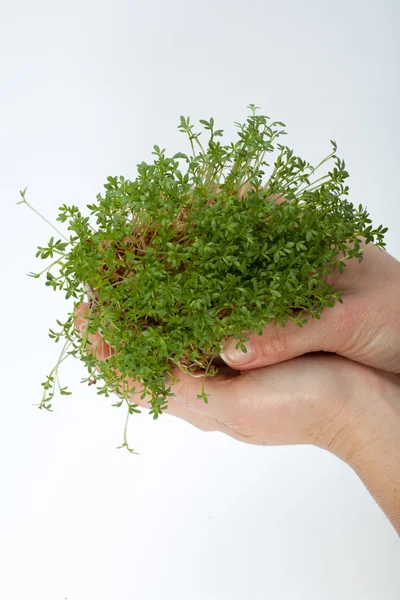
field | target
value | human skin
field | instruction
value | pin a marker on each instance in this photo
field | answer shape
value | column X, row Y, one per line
column 344, row 397
column 365, row 329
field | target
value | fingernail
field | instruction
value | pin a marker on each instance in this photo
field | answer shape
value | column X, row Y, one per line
column 235, row 355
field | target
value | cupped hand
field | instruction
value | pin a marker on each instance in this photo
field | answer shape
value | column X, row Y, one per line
column 364, row 328
column 303, row 401
column 322, row 399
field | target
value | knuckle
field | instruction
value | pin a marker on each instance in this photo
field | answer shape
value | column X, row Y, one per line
column 272, row 343
column 343, row 322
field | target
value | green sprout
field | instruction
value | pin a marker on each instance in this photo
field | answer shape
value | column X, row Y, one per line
column 175, row 262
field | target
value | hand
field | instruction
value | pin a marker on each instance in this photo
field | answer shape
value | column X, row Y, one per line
column 326, row 400
column 296, row 402
column 365, row 328
column 306, row 400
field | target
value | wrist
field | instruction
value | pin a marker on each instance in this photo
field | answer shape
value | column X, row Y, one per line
column 368, row 438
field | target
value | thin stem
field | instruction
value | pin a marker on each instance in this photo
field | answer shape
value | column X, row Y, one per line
column 260, row 160
column 310, row 185
column 51, row 265
column 55, row 371
column 125, row 444
column 205, row 375
column 199, row 143
column 126, row 427
column 275, row 168
column 324, row 161
column 185, row 370
column 24, row 201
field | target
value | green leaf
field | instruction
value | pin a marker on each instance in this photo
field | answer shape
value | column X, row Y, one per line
column 172, row 263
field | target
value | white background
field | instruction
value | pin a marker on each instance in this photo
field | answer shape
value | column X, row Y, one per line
column 86, row 89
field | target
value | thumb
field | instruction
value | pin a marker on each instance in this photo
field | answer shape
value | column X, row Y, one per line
column 277, row 343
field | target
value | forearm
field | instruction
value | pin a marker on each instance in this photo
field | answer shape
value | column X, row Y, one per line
column 379, row 470
column 372, row 448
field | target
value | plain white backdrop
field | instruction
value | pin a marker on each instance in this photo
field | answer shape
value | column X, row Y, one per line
column 86, row 89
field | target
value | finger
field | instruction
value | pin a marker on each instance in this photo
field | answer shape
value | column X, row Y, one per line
column 289, row 403
column 102, row 351
column 199, row 421
column 219, row 386
column 357, row 328
column 96, row 343
column 277, row 344
column 81, row 313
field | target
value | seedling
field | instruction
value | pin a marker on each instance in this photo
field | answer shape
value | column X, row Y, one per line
column 178, row 260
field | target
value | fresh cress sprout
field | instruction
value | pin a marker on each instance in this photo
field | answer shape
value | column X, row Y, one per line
column 178, row 260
